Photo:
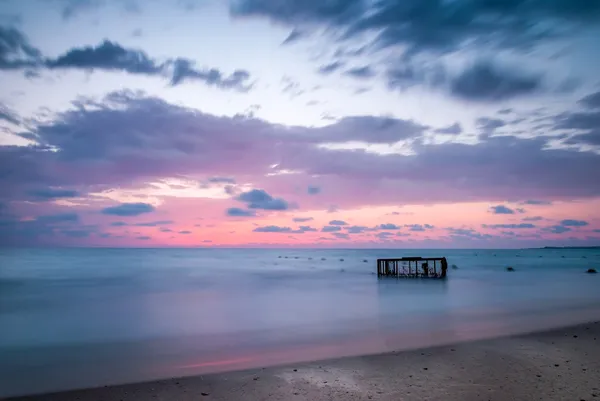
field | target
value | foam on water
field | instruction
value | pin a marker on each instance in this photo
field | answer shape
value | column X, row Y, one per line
column 81, row 317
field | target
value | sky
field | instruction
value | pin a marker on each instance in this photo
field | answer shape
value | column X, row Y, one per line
column 281, row 123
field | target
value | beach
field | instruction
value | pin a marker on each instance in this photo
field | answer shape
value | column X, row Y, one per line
column 561, row 364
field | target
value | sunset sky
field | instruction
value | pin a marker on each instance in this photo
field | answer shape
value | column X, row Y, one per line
column 342, row 123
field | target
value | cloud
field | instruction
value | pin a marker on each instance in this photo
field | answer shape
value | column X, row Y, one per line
column 313, row 190
column 453, row 129
column 184, row 232
column 302, row 219
column 419, row 227
column 433, row 26
column 537, row 202
column 273, row 229
column 363, row 72
column 462, row 233
column 238, row 212
column 58, row 218
column 341, row 235
column 337, row 223
column 184, row 70
column 585, row 125
column 357, row 229
column 7, row 114
column 154, row 223
column 221, row 180
column 260, row 199
column 17, row 53
column 107, row 56
column 509, row 226
column 533, row 218
column 389, row 226
column 329, row 68
column 128, row 209
column 574, row 223
column 330, row 229
column 557, row 229
column 487, row 82
column 123, row 133
column 143, row 237
column 591, row 101
column 118, row 224
column 15, row 50
column 293, row 37
column 501, row 209
column 51, row 193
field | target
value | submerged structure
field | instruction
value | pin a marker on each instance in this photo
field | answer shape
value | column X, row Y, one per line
column 412, row 267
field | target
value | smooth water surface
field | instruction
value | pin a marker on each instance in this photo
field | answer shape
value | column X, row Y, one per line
column 73, row 318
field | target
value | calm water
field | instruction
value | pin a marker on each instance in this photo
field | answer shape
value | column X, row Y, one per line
column 74, row 318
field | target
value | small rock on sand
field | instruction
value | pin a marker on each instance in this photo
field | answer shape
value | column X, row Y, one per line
column 592, row 271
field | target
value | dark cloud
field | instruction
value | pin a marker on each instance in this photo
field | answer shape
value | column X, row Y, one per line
column 17, row 53
column 155, row 223
column 488, row 126
column 585, row 125
column 313, row 190
column 591, row 101
column 143, row 237
column 128, row 209
column 467, row 233
column 184, row 232
column 574, row 223
column 294, row 36
column 341, row 235
column 302, row 219
column 357, row 229
column 72, row 8
column 501, row 209
column 453, row 129
column 433, row 25
column 221, row 180
column 557, row 229
column 277, row 229
column 118, row 224
column 7, row 114
column 107, row 56
column 58, row 218
column 419, row 227
column 536, row 202
column 51, row 193
column 307, row 229
column 15, row 50
column 509, row 226
column 330, row 229
column 260, row 199
column 364, row 72
column 238, row 212
column 329, row 68
column 184, row 70
column 533, row 218
column 487, row 82
column 337, row 223
column 389, row 226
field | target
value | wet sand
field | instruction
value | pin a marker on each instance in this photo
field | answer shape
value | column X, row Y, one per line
column 561, row 365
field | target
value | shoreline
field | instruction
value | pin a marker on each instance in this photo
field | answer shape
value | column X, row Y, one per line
column 556, row 364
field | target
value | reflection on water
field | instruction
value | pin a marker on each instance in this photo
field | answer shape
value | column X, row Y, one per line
column 85, row 317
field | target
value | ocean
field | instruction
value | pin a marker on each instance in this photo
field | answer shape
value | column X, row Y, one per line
column 73, row 318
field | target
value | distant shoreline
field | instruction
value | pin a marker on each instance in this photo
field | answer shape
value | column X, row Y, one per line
column 568, row 247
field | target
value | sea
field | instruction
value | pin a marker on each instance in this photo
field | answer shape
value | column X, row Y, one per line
column 78, row 318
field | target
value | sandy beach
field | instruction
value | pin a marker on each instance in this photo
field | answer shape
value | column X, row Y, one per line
column 561, row 364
